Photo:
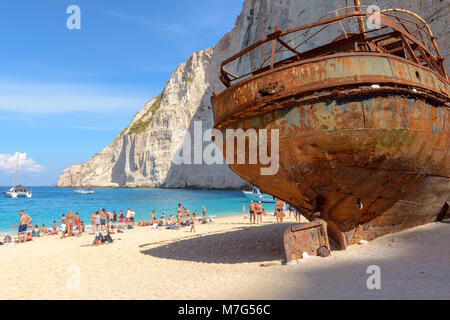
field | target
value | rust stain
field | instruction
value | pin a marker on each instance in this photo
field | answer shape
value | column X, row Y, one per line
column 364, row 127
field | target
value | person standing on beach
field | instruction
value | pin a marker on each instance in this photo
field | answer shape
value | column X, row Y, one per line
column 251, row 209
column 70, row 221
column 204, row 213
column 114, row 219
column 179, row 218
column 152, row 216
column 192, row 221
column 97, row 221
column 63, row 225
column 259, row 210
column 179, row 209
column 103, row 219
column 24, row 221
column 93, row 221
column 55, row 228
column 77, row 223
column 132, row 215
column 121, row 217
column 279, row 210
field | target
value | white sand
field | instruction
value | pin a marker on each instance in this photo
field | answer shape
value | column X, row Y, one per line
column 224, row 261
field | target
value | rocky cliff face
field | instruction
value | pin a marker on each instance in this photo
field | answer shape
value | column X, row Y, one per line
column 141, row 156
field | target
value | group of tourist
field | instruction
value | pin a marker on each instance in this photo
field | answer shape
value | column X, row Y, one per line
column 183, row 219
column 103, row 220
column 257, row 211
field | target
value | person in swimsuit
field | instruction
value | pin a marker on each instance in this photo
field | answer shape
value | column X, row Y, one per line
column 121, row 217
column 54, row 228
column 251, row 209
column 78, row 223
column 70, row 222
column 192, row 220
column 179, row 209
column 92, row 220
column 103, row 219
column 97, row 221
column 43, row 230
column 114, row 219
column 259, row 210
column 179, row 219
column 297, row 216
column 204, row 213
column 24, row 221
column 63, row 226
column 279, row 210
column 35, row 232
column 132, row 215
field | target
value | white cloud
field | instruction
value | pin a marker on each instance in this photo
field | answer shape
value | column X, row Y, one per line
column 26, row 165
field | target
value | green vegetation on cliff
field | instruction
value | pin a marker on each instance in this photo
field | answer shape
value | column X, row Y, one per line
column 140, row 125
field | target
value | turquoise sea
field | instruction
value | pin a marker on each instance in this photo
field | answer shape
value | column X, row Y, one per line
column 48, row 204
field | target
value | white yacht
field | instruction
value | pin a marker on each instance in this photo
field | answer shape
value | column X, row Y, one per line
column 256, row 195
column 83, row 191
column 18, row 191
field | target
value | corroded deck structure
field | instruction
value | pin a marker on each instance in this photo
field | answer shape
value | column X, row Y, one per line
column 363, row 121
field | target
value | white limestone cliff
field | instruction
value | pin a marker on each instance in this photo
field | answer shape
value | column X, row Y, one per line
column 141, row 156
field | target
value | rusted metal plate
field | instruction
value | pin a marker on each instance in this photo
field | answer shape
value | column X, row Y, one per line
column 305, row 237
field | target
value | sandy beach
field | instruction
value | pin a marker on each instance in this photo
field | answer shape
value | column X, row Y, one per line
column 228, row 259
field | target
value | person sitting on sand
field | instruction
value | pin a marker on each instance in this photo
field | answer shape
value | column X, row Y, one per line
column 35, row 232
column 29, row 236
column 163, row 221
column 43, row 230
column 24, row 221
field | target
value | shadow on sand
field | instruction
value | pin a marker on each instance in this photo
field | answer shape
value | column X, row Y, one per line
column 247, row 244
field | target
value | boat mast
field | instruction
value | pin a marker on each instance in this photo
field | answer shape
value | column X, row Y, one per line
column 17, row 167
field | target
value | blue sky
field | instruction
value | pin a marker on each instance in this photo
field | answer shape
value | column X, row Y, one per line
column 65, row 94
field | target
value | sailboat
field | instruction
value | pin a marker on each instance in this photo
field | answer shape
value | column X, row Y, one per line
column 18, row 191
column 82, row 190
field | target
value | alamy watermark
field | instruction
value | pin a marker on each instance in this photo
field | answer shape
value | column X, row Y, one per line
column 74, row 280
column 374, row 280
column 374, row 18
column 74, row 20
column 241, row 147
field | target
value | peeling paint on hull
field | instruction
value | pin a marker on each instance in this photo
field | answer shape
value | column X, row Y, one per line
column 387, row 148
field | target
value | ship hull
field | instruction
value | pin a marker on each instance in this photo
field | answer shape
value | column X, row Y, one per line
column 371, row 156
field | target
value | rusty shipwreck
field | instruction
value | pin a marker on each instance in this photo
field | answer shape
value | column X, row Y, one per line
column 363, row 119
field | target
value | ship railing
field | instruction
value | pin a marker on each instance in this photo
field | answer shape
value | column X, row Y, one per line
column 398, row 31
